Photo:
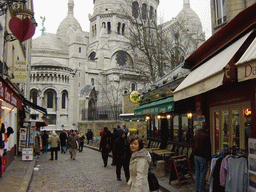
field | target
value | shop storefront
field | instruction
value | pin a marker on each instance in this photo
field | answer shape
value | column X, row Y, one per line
column 10, row 103
column 219, row 81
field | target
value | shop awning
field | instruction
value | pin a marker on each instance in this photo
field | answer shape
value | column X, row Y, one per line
column 8, row 95
column 246, row 66
column 32, row 105
column 131, row 117
column 161, row 106
column 210, row 74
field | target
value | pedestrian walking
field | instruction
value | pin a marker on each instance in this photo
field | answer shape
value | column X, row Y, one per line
column 115, row 135
column 125, row 129
column 45, row 138
column 89, row 135
column 54, row 141
column 202, row 154
column 139, row 166
column 73, row 141
column 63, row 141
column 105, row 145
column 122, row 153
column 81, row 139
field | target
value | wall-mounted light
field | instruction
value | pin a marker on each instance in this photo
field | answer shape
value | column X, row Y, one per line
column 159, row 117
column 130, row 120
column 147, row 118
column 189, row 115
column 168, row 116
column 138, row 120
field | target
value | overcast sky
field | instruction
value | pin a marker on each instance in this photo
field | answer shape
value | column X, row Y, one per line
column 56, row 10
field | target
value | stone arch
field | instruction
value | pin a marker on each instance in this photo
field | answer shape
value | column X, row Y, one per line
column 50, row 99
column 34, row 95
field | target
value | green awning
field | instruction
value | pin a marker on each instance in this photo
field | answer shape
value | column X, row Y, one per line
column 161, row 106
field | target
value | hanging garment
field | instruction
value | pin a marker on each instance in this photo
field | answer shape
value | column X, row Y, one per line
column 237, row 174
column 223, row 170
column 216, row 177
column 212, row 166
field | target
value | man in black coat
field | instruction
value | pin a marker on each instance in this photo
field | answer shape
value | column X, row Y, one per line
column 105, row 145
column 45, row 138
column 122, row 155
column 63, row 141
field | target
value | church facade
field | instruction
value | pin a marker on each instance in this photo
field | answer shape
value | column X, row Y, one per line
column 81, row 76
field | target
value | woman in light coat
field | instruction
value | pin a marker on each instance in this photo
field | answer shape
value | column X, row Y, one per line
column 139, row 165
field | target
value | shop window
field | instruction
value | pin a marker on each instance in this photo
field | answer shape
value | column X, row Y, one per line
column 184, row 131
column 176, row 128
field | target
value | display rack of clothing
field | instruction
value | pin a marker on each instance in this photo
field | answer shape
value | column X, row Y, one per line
column 229, row 171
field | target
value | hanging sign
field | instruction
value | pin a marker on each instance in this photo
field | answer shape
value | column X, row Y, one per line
column 20, row 72
column 134, row 97
column 22, row 29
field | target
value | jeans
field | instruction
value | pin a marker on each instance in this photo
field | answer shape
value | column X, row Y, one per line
column 201, row 170
column 45, row 148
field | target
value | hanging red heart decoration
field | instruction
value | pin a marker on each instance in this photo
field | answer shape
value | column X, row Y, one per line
column 22, row 29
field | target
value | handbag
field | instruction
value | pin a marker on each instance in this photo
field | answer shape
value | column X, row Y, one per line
column 153, row 182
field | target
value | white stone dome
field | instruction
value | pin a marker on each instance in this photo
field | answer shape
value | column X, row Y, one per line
column 69, row 22
column 188, row 18
column 49, row 42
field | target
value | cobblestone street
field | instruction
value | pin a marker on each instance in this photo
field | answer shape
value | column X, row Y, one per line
column 86, row 173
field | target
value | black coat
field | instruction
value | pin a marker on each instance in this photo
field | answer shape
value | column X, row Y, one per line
column 63, row 139
column 45, row 138
column 121, row 149
column 106, row 139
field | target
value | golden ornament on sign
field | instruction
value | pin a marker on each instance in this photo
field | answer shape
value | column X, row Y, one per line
column 134, row 96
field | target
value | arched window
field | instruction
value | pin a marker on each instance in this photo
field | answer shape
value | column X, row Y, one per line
column 50, row 99
column 92, row 56
column 33, row 96
column 95, row 28
column 133, row 86
column 63, row 100
column 118, row 28
column 104, row 25
column 109, row 27
column 144, row 11
column 135, row 9
column 151, row 12
column 121, row 58
column 123, row 27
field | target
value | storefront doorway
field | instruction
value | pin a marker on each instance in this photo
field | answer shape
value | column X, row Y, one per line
column 230, row 126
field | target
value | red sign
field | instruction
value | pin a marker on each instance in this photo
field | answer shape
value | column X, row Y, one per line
column 22, row 29
column 8, row 95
